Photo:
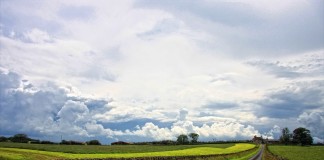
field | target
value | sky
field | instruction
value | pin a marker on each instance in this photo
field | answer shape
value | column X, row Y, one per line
column 147, row 70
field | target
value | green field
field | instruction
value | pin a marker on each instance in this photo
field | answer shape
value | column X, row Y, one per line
column 298, row 152
column 57, row 151
column 81, row 149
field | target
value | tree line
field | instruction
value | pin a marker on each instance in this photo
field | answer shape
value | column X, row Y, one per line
column 300, row 136
column 23, row 138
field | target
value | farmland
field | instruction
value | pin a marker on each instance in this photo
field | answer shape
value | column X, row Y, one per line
column 298, row 152
column 33, row 151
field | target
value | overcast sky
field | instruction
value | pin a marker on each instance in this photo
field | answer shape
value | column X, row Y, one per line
column 150, row 70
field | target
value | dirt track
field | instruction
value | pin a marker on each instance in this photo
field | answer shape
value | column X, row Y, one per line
column 258, row 156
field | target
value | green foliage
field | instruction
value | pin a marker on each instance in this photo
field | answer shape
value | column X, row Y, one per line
column 194, row 137
column 3, row 139
column 65, row 142
column 302, row 136
column 20, row 138
column 183, row 139
column 298, row 152
column 93, row 142
column 285, row 136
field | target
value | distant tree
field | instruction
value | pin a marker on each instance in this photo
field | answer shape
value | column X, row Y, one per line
column 194, row 137
column 64, row 142
column 182, row 139
column 302, row 136
column 285, row 136
column 3, row 139
column 20, row 138
column 45, row 142
column 93, row 142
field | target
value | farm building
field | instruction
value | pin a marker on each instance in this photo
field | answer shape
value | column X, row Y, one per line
column 257, row 140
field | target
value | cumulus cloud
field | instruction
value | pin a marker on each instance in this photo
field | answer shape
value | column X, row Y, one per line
column 313, row 120
column 219, row 130
column 48, row 109
column 274, row 133
column 175, row 55
column 293, row 100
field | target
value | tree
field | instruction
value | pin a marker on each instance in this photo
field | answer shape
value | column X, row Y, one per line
column 93, row 142
column 194, row 137
column 3, row 139
column 285, row 136
column 182, row 139
column 21, row 138
column 302, row 136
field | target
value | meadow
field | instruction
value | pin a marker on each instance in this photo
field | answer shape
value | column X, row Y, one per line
column 42, row 151
column 298, row 152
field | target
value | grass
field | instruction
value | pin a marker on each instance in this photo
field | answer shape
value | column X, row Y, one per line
column 298, row 152
column 18, row 155
column 81, row 149
column 15, row 153
column 249, row 154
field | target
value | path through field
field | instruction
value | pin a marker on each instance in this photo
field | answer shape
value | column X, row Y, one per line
column 258, row 156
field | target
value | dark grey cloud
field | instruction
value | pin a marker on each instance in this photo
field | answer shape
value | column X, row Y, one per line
column 220, row 105
column 241, row 30
column 131, row 124
column 292, row 100
column 313, row 120
column 276, row 69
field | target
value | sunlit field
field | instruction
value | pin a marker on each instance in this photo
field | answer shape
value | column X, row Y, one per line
column 131, row 151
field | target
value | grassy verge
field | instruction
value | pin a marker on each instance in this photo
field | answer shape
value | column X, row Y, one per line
column 270, row 156
column 298, row 152
column 197, row 151
column 249, row 154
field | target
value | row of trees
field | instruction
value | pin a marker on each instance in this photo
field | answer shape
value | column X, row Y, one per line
column 186, row 139
column 23, row 138
column 18, row 138
column 300, row 136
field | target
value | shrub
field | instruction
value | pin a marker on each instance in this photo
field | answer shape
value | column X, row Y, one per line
column 93, row 142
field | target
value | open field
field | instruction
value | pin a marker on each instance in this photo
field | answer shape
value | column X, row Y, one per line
column 123, row 151
column 298, row 152
column 91, row 149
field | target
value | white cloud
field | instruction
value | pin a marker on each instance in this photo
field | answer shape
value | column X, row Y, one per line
column 38, row 36
column 151, row 59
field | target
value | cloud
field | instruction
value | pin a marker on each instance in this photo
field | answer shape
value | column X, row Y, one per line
column 274, row 133
column 126, row 69
column 48, row 109
column 309, row 65
column 37, row 36
column 250, row 26
column 183, row 114
column 77, row 12
column 313, row 120
column 220, row 105
column 292, row 100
